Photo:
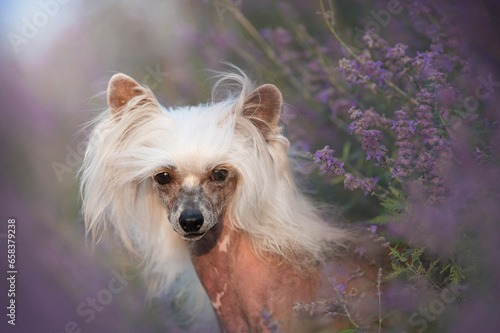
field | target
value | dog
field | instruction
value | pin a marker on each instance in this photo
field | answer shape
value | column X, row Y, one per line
column 209, row 190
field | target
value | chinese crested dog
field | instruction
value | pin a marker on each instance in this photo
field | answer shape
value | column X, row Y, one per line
column 206, row 197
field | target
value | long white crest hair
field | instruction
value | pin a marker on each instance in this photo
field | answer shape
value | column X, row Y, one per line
column 127, row 147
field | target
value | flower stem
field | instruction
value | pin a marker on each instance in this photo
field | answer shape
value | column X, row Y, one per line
column 269, row 52
column 355, row 56
column 379, row 282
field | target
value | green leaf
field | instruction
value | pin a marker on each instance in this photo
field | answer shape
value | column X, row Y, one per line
column 397, row 272
column 346, row 150
column 383, row 219
column 337, row 180
column 397, row 193
column 396, row 254
column 445, row 268
column 455, row 276
column 416, row 255
column 393, row 205
column 348, row 330
column 433, row 265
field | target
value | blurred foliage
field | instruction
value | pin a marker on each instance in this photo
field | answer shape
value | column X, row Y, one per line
column 407, row 110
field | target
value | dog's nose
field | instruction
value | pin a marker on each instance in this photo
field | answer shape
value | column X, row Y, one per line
column 191, row 220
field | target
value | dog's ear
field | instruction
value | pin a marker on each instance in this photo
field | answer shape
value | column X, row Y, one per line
column 263, row 108
column 122, row 88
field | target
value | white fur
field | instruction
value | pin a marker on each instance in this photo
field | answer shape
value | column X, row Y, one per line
column 123, row 154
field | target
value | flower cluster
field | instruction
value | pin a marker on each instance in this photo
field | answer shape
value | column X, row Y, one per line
column 334, row 167
column 352, row 183
column 370, row 138
column 329, row 164
column 377, row 238
column 407, row 114
column 273, row 326
column 339, row 305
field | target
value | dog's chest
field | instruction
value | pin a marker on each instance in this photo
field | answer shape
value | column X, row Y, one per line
column 240, row 285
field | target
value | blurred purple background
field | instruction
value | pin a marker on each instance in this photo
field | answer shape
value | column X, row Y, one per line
column 55, row 58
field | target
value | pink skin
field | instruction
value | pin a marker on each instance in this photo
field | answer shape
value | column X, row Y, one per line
column 240, row 285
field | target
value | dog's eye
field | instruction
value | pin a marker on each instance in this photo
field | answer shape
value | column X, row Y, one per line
column 163, row 178
column 219, row 175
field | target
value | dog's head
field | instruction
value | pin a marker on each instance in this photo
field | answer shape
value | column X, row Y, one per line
column 194, row 201
column 195, row 158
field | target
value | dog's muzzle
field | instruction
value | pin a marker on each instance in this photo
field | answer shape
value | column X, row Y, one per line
column 191, row 221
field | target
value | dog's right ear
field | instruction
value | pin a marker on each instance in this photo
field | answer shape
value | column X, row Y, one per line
column 263, row 108
column 121, row 89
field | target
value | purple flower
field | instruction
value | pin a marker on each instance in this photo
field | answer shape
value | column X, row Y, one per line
column 355, row 74
column 373, row 40
column 405, row 130
column 376, row 119
column 341, row 288
column 370, row 138
column 373, row 71
column 361, row 250
column 372, row 146
column 364, row 72
column 330, row 164
column 482, row 154
column 272, row 326
column 396, row 52
column 352, row 183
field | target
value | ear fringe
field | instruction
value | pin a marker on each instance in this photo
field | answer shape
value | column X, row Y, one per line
column 118, row 196
column 263, row 108
column 235, row 86
column 123, row 152
column 267, row 206
column 122, row 89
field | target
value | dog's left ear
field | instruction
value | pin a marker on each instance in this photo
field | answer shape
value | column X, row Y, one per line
column 263, row 108
column 121, row 89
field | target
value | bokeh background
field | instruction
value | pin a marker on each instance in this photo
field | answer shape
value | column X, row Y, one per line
column 55, row 60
